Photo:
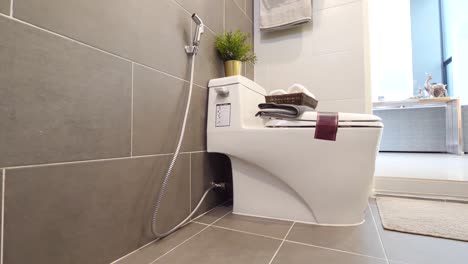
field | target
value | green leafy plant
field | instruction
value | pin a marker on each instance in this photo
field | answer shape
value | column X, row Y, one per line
column 232, row 46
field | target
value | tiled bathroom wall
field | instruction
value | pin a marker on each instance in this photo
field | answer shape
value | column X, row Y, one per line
column 327, row 55
column 92, row 95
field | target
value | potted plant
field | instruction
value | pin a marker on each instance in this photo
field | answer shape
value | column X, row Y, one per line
column 233, row 50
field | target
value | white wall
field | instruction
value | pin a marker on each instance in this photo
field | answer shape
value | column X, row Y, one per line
column 460, row 50
column 391, row 49
column 328, row 56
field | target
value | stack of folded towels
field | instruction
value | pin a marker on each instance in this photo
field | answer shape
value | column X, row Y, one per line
column 285, row 111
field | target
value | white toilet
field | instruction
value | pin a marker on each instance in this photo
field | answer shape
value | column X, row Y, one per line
column 279, row 170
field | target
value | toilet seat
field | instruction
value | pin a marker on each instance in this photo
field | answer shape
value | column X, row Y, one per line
column 308, row 119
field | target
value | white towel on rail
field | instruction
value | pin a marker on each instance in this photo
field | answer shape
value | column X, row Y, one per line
column 282, row 14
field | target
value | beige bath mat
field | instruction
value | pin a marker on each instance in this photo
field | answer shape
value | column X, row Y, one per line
column 425, row 217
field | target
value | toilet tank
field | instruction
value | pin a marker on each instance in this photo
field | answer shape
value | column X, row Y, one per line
column 232, row 104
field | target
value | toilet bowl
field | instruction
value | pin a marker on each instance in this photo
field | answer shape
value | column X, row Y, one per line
column 279, row 170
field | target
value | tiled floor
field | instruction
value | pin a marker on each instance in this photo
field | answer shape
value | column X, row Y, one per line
column 221, row 237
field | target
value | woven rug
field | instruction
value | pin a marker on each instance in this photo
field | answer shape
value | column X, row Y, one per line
column 425, row 217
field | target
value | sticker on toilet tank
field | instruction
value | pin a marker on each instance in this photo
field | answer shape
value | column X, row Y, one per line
column 223, row 115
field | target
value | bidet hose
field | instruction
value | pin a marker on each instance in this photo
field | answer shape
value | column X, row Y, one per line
column 168, row 175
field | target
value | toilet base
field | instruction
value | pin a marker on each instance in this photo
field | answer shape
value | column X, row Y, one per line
column 264, row 195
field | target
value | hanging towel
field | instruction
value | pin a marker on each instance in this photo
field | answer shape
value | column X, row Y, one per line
column 326, row 126
column 281, row 111
column 283, row 14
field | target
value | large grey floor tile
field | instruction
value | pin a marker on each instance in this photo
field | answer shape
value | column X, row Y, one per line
column 205, row 169
column 257, row 225
column 5, row 6
column 214, row 215
column 147, row 31
column 298, row 254
column 215, row 245
column 90, row 212
column 415, row 249
column 362, row 239
column 158, row 108
column 65, row 101
column 210, row 11
column 158, row 248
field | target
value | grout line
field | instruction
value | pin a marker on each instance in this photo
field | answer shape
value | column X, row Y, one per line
column 243, row 11
column 134, row 251
column 378, row 233
column 97, row 160
column 2, row 228
column 154, row 261
column 155, row 240
column 282, row 242
column 11, row 8
column 95, row 48
column 131, row 111
column 291, row 241
column 190, row 13
column 244, row 232
column 333, row 249
column 199, row 216
column 183, row 242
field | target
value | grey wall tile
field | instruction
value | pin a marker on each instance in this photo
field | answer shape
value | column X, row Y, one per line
column 250, row 71
column 64, row 101
column 149, row 32
column 207, row 168
column 208, row 65
column 249, row 9
column 158, row 105
column 195, row 136
column 210, row 11
column 90, row 212
column 5, row 6
column 240, row 4
column 236, row 19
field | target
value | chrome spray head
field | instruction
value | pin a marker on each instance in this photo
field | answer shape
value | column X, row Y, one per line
column 199, row 29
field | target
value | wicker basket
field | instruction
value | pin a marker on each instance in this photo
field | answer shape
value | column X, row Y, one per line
column 294, row 98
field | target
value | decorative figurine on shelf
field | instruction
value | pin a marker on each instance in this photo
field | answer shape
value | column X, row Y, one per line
column 435, row 89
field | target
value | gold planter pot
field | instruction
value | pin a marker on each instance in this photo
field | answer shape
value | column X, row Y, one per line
column 232, row 67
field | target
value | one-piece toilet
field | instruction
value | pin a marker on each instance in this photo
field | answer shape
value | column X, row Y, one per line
column 279, row 170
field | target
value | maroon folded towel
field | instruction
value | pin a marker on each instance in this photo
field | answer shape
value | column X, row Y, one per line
column 326, row 126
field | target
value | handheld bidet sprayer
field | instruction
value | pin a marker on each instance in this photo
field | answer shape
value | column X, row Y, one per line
column 200, row 28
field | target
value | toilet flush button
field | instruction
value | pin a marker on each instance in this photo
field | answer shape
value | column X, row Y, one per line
column 222, row 91
column 223, row 115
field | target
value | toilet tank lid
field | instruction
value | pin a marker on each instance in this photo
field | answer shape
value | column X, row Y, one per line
column 238, row 79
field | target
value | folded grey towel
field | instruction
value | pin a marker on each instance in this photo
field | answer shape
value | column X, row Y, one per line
column 283, row 14
column 281, row 111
